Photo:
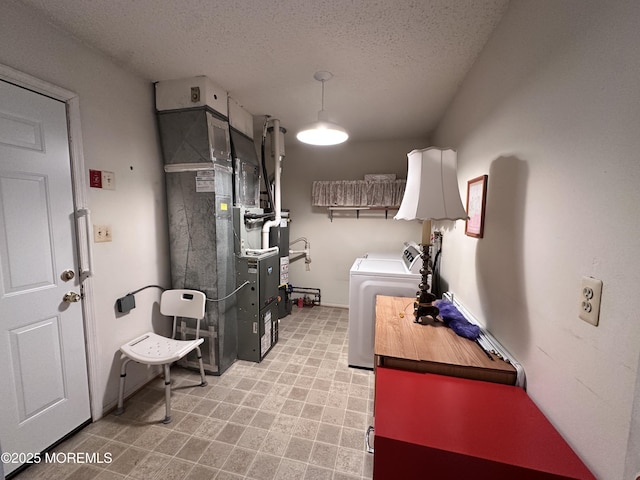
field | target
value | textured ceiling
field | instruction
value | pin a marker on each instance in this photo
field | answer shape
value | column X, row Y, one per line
column 396, row 64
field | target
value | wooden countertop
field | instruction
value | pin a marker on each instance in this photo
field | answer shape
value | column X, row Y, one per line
column 433, row 348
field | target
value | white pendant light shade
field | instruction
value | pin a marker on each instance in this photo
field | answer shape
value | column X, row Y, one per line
column 432, row 187
column 322, row 132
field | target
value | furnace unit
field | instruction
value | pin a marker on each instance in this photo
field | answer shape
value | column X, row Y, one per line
column 257, row 305
column 218, row 234
column 194, row 133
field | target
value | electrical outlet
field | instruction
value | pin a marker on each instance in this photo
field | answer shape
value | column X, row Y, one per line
column 101, row 233
column 589, row 306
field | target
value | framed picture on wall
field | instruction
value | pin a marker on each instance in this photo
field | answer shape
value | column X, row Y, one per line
column 476, row 203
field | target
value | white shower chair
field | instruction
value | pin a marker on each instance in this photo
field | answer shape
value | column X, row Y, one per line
column 153, row 349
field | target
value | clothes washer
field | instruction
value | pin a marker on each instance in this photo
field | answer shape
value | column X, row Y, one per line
column 369, row 277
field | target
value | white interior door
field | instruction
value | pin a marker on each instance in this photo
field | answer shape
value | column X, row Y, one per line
column 44, row 393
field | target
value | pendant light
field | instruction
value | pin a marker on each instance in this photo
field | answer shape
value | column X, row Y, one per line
column 322, row 132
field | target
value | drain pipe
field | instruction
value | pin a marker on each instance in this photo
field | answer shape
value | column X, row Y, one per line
column 306, row 253
column 278, row 154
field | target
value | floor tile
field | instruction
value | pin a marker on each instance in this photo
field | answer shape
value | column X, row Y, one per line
column 149, row 466
column 193, row 448
column 290, row 470
column 299, row 449
column 275, row 443
column 231, row 433
column 264, row 467
column 176, row 469
column 239, row 461
column 300, row 414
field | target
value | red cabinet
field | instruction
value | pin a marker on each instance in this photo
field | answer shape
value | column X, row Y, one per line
column 430, row 426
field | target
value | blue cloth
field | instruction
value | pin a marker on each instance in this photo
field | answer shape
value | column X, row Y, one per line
column 453, row 319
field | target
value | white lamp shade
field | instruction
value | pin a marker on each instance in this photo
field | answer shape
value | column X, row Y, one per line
column 432, row 187
column 322, row 132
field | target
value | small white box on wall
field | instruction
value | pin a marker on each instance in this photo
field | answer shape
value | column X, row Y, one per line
column 191, row 92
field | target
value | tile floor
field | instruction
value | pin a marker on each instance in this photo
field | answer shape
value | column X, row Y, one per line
column 300, row 414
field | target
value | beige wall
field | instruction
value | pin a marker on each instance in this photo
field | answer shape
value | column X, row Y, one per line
column 336, row 244
column 119, row 134
column 550, row 112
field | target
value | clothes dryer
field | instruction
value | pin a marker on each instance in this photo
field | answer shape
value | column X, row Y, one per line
column 368, row 278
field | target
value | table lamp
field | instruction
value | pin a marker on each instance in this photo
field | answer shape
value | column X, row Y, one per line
column 431, row 194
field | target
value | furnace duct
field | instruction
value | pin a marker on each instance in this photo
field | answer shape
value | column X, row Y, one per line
column 220, row 239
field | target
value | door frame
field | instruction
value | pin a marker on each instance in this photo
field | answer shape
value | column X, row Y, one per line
column 80, row 201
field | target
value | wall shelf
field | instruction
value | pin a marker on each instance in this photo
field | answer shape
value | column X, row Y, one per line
column 357, row 210
column 358, row 195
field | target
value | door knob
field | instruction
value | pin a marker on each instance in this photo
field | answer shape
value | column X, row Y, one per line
column 71, row 297
column 67, row 275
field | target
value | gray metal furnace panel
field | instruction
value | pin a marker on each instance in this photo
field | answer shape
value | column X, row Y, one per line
column 193, row 136
column 247, row 231
column 192, row 233
column 258, row 333
column 257, row 305
column 247, row 170
column 199, row 204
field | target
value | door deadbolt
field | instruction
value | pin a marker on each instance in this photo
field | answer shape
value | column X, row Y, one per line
column 68, row 275
column 71, row 297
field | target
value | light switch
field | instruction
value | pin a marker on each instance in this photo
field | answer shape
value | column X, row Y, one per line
column 102, row 233
column 108, row 180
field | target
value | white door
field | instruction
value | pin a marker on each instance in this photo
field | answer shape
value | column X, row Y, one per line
column 44, row 391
